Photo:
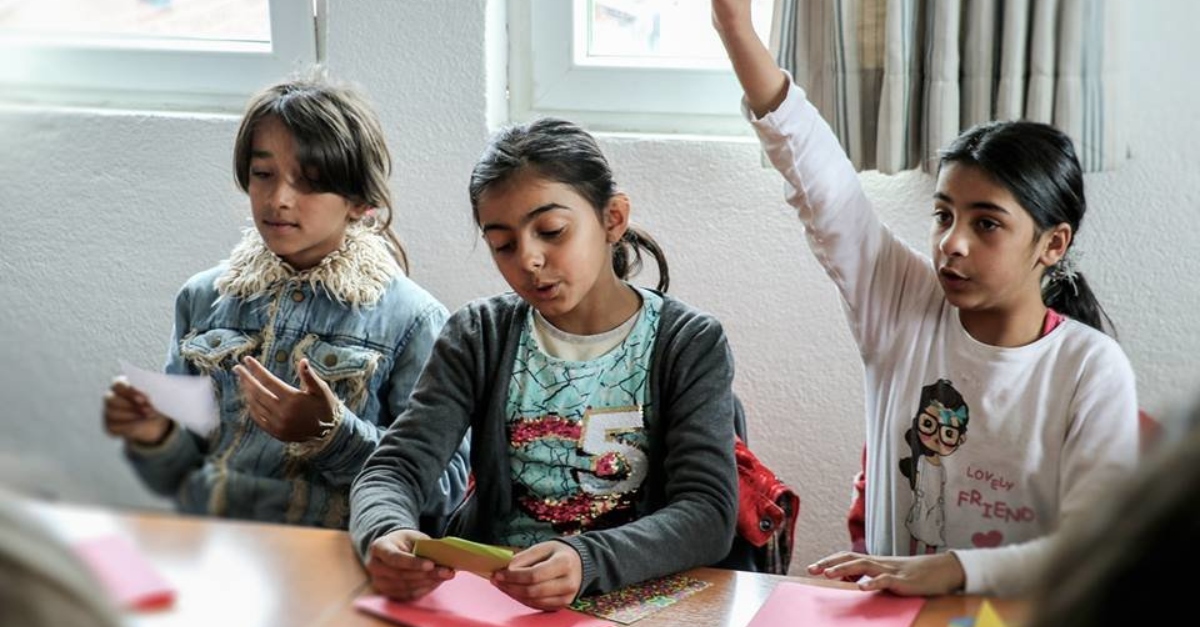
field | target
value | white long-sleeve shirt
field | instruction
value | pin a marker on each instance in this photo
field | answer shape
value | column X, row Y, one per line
column 1050, row 426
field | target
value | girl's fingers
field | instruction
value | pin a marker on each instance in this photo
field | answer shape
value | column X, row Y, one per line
column 545, row 576
column 118, row 409
column 262, row 408
column 266, row 379
column 400, row 578
column 819, row 566
column 252, row 388
column 136, row 429
column 119, row 429
column 849, row 569
column 861, row 566
column 530, row 557
column 258, row 405
column 409, row 578
column 398, row 561
column 121, row 389
column 548, row 595
column 309, row 380
column 881, row 582
column 263, row 421
column 113, row 402
column 122, row 416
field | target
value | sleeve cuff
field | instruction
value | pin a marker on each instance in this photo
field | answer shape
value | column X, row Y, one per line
column 314, row 446
column 587, row 575
column 795, row 96
column 973, row 569
column 1002, row 571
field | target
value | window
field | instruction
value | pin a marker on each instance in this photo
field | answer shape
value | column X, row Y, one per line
column 208, row 54
column 624, row 65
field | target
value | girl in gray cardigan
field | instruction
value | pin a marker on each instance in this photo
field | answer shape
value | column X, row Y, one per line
column 601, row 414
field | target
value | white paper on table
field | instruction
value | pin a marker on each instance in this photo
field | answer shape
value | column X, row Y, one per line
column 187, row 399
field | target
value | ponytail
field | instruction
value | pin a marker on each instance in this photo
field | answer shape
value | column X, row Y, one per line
column 627, row 256
column 1069, row 294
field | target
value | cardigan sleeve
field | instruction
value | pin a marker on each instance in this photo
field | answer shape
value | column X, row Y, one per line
column 404, row 472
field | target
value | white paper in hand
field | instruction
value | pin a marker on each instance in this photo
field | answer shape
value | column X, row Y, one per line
column 187, row 399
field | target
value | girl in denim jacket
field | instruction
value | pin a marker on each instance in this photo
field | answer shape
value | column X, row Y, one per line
column 311, row 331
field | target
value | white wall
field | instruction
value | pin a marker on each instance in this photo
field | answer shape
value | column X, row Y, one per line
column 104, row 214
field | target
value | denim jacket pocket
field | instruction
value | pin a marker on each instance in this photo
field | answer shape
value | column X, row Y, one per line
column 349, row 370
column 217, row 349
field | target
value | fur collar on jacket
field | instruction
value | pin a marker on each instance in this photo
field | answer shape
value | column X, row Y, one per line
column 355, row 274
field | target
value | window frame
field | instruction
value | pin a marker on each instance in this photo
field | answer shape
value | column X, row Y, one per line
column 547, row 77
column 131, row 73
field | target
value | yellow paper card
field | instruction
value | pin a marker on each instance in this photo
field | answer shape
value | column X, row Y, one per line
column 987, row 616
column 460, row 554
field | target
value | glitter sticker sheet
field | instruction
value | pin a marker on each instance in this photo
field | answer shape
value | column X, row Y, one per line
column 638, row 601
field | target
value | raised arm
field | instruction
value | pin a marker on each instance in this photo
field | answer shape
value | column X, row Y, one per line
column 761, row 78
column 873, row 270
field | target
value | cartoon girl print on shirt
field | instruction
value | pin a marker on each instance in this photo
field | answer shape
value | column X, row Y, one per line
column 938, row 429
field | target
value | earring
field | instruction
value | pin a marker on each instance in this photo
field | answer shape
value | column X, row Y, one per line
column 368, row 219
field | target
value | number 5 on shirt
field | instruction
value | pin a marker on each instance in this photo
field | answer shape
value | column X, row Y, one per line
column 613, row 457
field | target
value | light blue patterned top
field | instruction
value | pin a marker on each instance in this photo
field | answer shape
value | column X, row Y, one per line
column 577, row 440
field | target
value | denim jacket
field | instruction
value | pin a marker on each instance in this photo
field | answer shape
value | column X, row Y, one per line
column 366, row 330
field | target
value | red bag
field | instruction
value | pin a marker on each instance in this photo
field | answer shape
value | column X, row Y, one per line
column 767, row 512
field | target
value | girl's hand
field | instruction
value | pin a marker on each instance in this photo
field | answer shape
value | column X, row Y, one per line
column 397, row 573
column 765, row 84
column 919, row 575
column 545, row 576
column 730, row 14
column 285, row 413
column 128, row 414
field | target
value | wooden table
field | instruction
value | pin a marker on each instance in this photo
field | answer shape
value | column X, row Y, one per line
column 735, row 596
column 227, row 573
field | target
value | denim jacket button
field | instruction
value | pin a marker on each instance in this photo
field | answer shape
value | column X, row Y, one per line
column 298, row 296
column 281, row 356
column 330, row 360
column 214, row 342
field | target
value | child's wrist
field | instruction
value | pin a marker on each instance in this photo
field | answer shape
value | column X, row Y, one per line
column 326, row 427
column 161, row 438
column 956, row 575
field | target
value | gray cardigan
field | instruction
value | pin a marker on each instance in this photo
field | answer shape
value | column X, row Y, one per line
column 688, row 507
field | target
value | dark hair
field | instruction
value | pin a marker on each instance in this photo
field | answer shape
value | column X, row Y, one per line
column 339, row 143
column 1037, row 164
column 560, row 151
column 1111, row 565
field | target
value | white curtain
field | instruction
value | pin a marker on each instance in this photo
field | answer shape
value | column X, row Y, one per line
column 899, row 79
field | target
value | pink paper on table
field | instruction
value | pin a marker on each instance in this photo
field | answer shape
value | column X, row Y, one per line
column 801, row 604
column 131, row 580
column 469, row 600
